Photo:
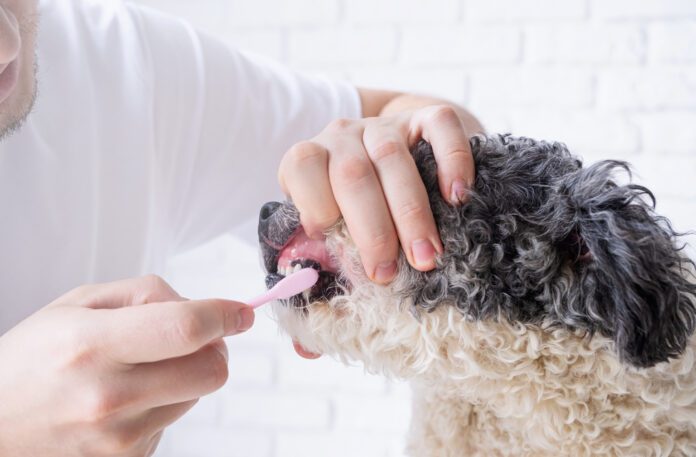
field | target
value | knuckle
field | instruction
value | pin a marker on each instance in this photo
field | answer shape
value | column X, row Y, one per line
column 457, row 154
column 77, row 352
column 152, row 288
column 80, row 295
column 354, row 169
column 121, row 440
column 410, row 212
column 386, row 150
column 443, row 113
column 76, row 347
column 304, row 152
column 381, row 243
column 217, row 369
column 154, row 282
column 340, row 125
column 101, row 403
column 190, row 328
column 319, row 222
column 82, row 290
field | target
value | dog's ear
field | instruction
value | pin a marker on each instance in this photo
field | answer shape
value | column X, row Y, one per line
column 637, row 285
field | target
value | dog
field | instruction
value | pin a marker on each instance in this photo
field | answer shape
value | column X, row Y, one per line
column 558, row 321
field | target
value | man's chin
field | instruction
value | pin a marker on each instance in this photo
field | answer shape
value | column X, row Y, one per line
column 12, row 118
column 9, row 127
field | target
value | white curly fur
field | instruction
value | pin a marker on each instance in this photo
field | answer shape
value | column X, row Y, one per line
column 493, row 388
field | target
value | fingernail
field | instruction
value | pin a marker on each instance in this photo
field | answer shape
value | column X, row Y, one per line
column 458, row 193
column 246, row 319
column 423, row 253
column 385, row 272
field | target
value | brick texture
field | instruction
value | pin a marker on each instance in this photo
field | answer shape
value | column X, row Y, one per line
column 610, row 78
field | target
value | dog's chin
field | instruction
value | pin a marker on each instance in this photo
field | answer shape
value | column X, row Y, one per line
column 306, row 327
column 297, row 253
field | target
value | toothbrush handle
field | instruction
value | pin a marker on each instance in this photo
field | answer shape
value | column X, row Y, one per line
column 260, row 300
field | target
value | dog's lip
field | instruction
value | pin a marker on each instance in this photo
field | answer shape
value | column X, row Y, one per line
column 303, row 352
column 274, row 235
column 301, row 247
column 278, row 247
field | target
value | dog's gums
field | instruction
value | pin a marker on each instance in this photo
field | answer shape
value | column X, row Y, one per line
column 303, row 248
column 559, row 319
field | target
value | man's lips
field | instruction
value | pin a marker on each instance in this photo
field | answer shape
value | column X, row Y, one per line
column 9, row 75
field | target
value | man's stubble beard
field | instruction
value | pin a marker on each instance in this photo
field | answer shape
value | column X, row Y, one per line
column 17, row 119
column 30, row 27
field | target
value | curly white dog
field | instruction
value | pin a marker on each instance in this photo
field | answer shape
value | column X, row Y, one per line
column 559, row 321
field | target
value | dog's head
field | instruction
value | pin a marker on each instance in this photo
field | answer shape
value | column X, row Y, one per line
column 542, row 242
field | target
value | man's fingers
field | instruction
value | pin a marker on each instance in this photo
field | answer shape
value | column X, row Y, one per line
column 361, row 201
column 443, row 129
column 137, row 434
column 160, row 331
column 406, row 196
column 164, row 416
column 154, row 442
column 304, row 174
column 176, row 380
column 117, row 294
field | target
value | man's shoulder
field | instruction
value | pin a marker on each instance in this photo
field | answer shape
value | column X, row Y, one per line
column 76, row 28
column 74, row 12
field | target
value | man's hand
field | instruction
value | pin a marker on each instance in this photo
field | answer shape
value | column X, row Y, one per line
column 105, row 368
column 363, row 170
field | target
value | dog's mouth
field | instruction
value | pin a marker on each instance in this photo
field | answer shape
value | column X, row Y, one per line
column 303, row 252
column 286, row 248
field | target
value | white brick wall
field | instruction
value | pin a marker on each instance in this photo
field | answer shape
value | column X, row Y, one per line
column 672, row 42
column 611, row 78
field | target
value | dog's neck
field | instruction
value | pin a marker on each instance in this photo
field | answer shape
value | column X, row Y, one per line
column 493, row 352
column 527, row 387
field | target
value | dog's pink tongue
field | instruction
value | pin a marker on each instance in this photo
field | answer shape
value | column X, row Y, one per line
column 302, row 352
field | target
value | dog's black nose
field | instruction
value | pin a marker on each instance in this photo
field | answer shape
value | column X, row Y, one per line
column 267, row 211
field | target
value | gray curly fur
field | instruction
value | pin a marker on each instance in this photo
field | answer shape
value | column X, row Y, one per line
column 544, row 239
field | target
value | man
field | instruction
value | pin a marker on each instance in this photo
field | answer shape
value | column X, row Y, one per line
column 147, row 138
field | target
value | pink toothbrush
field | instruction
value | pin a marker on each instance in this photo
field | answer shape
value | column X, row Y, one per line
column 290, row 285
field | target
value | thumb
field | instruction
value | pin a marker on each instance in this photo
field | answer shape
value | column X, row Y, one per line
column 119, row 294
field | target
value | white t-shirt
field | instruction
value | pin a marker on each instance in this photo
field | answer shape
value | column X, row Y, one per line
column 147, row 138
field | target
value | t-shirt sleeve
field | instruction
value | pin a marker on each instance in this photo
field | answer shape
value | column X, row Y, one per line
column 223, row 120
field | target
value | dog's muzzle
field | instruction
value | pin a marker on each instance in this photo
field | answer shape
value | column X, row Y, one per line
column 286, row 248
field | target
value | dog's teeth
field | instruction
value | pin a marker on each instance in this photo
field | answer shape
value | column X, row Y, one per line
column 305, row 296
column 298, row 267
